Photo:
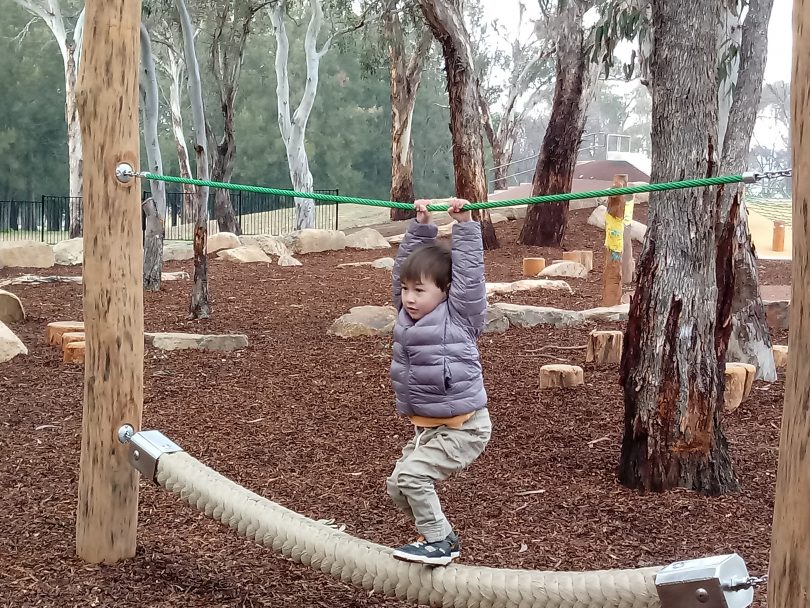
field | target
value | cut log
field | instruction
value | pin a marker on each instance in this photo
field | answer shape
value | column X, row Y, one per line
column 750, row 374
column 72, row 336
column 735, row 387
column 780, row 355
column 73, row 352
column 778, row 241
column 604, row 347
column 533, row 266
column 56, row 329
column 561, row 375
column 584, row 257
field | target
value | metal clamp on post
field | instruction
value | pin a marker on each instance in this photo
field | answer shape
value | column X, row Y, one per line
column 711, row 582
column 146, row 448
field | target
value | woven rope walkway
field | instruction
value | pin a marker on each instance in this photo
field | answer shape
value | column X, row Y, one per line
column 370, row 566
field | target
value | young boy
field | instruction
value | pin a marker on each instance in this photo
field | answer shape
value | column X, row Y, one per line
column 440, row 297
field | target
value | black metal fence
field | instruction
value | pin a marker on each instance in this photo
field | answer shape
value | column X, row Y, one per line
column 48, row 219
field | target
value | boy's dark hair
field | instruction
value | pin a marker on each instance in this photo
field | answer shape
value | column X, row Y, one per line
column 432, row 262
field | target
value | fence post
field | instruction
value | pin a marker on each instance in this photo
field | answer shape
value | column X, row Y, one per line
column 42, row 217
column 337, row 210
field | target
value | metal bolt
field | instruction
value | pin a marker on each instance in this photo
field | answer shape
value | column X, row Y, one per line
column 125, row 433
column 702, row 595
column 136, row 454
column 124, row 172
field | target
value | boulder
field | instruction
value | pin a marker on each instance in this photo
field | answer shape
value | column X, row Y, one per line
column 288, row 260
column 314, row 240
column 382, row 263
column 180, row 275
column 11, row 308
column 181, row 341
column 565, row 269
column 607, row 314
column 367, row 238
column 26, row 254
column 271, row 245
column 70, row 252
column 527, row 285
column 496, row 322
column 177, row 251
column 597, row 218
column 10, row 344
column 778, row 313
column 529, row 316
column 244, row 255
column 222, row 240
column 497, row 217
column 365, row 321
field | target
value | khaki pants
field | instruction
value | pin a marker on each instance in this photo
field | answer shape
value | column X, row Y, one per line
column 433, row 455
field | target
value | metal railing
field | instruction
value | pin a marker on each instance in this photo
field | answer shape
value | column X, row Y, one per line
column 48, row 219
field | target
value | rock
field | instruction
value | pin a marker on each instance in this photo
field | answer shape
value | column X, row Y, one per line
column 244, row 255
column 780, row 355
column 177, row 251
column 180, row 275
column 395, row 239
column 497, row 218
column 558, row 375
column 367, row 238
column 597, row 218
column 313, row 240
column 365, row 321
column 32, row 279
column 180, row 341
column 565, row 269
column 383, row 263
column 528, row 285
column 26, row 254
column 514, row 213
column 627, row 296
column 271, row 245
column 529, row 316
column 70, row 252
column 496, row 322
column 222, row 240
column 11, row 308
column 10, row 344
column 447, row 229
column 55, row 330
column 288, row 260
column 607, row 314
column 778, row 313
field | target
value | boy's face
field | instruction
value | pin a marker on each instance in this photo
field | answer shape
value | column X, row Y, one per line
column 421, row 297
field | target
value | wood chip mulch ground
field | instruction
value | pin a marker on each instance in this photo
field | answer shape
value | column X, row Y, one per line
column 307, row 419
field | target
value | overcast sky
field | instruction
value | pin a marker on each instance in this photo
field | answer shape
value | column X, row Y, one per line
column 779, row 32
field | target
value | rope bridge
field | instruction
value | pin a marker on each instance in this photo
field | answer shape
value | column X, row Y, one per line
column 125, row 172
column 371, row 567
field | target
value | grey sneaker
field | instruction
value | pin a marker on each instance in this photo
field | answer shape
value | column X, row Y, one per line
column 438, row 553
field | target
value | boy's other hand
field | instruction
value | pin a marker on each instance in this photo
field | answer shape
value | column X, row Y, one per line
column 455, row 210
column 422, row 214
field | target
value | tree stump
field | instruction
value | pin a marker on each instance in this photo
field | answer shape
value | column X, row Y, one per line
column 56, row 329
column 73, row 352
column 533, row 266
column 561, row 376
column 780, row 355
column 72, row 336
column 739, row 378
column 604, row 347
column 582, row 256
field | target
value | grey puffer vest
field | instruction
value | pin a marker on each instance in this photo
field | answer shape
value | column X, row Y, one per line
column 436, row 367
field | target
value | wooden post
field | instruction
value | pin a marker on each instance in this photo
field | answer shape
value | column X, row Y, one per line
column 778, row 241
column 107, row 97
column 614, row 235
column 628, row 264
column 789, row 576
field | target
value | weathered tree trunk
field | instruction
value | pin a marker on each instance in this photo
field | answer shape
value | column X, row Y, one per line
column 176, row 72
column 673, row 382
column 501, row 143
column 154, row 207
column 729, row 38
column 789, row 575
column 750, row 340
column 199, row 307
column 545, row 224
column 446, row 20
column 75, row 163
column 406, row 76
column 223, row 170
column 293, row 128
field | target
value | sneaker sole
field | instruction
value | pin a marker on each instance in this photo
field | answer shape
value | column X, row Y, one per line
column 431, row 561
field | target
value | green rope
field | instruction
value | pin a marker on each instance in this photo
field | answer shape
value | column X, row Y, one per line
column 533, row 200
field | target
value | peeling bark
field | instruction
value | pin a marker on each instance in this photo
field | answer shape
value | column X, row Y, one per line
column 447, row 24
column 673, row 383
